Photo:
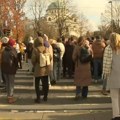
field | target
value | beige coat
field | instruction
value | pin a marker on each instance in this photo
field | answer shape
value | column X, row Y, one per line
column 114, row 79
column 39, row 71
column 82, row 75
column 51, row 52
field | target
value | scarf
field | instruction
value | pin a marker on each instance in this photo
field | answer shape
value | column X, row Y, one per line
column 107, row 62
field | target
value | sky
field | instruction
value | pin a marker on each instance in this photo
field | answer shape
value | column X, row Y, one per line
column 92, row 9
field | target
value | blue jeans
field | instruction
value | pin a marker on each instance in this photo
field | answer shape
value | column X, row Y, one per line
column 97, row 66
column 55, row 68
column 83, row 90
column 59, row 69
column 104, row 84
column 9, row 84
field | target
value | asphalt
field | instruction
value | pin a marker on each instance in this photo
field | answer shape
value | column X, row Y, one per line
column 60, row 105
column 61, row 115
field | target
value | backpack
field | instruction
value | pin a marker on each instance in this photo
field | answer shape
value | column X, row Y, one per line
column 85, row 55
column 44, row 59
column 9, row 58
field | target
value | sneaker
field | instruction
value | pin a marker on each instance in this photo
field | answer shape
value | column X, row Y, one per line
column 11, row 100
column 104, row 92
column 37, row 100
column 116, row 118
column 45, row 99
column 53, row 82
column 77, row 97
column 95, row 81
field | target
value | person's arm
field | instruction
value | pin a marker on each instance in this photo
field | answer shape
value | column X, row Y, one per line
column 34, row 57
column 75, row 54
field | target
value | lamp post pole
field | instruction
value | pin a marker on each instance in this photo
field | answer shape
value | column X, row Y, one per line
column 111, row 15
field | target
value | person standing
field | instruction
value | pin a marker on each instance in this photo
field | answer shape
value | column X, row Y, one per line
column 62, row 51
column 98, row 47
column 56, row 58
column 40, row 73
column 29, row 50
column 82, row 74
column 111, row 72
column 19, row 55
column 3, row 43
column 9, row 65
column 68, row 64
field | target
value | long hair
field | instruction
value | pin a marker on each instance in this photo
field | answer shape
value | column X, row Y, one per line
column 81, row 40
column 115, row 41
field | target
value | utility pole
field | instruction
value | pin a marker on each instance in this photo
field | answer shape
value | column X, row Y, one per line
column 111, row 15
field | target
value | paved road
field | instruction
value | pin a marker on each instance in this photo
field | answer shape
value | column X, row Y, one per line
column 60, row 104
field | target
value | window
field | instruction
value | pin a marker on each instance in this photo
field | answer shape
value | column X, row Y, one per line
column 49, row 19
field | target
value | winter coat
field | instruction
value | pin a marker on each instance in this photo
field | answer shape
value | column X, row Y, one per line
column 114, row 78
column 29, row 50
column 9, row 66
column 98, row 47
column 39, row 71
column 62, row 48
column 50, row 49
column 82, row 74
column 67, row 58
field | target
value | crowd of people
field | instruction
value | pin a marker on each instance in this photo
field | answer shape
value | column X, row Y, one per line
column 65, row 58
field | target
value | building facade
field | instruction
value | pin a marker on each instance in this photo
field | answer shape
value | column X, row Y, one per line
column 59, row 16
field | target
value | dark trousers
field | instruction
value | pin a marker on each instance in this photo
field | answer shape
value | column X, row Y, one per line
column 97, row 64
column 68, row 69
column 83, row 90
column 45, row 86
column 9, row 78
column 19, row 56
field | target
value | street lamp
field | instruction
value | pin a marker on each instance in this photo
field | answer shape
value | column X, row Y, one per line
column 111, row 15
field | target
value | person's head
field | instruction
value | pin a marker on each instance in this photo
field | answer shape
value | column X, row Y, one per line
column 52, row 41
column 115, row 41
column 31, row 40
column 12, row 43
column 81, row 40
column 59, row 39
column 4, row 41
column 39, row 41
column 98, row 38
column 40, row 34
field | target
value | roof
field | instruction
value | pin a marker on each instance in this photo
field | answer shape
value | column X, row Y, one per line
column 55, row 5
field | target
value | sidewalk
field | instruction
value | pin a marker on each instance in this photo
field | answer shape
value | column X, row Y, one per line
column 60, row 105
column 61, row 115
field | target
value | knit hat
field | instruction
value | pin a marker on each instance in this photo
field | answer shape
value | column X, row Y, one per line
column 31, row 40
column 46, row 44
column 11, row 42
column 5, row 40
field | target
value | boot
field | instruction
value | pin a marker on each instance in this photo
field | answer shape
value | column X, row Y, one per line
column 11, row 100
column 77, row 97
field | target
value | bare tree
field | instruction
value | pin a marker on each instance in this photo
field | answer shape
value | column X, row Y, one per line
column 110, row 19
column 84, row 24
column 38, row 8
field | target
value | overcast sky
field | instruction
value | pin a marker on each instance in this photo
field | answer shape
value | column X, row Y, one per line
column 92, row 9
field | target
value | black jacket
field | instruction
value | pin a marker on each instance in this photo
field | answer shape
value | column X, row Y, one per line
column 9, row 62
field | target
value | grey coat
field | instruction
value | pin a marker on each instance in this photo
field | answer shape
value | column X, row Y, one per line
column 114, row 79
